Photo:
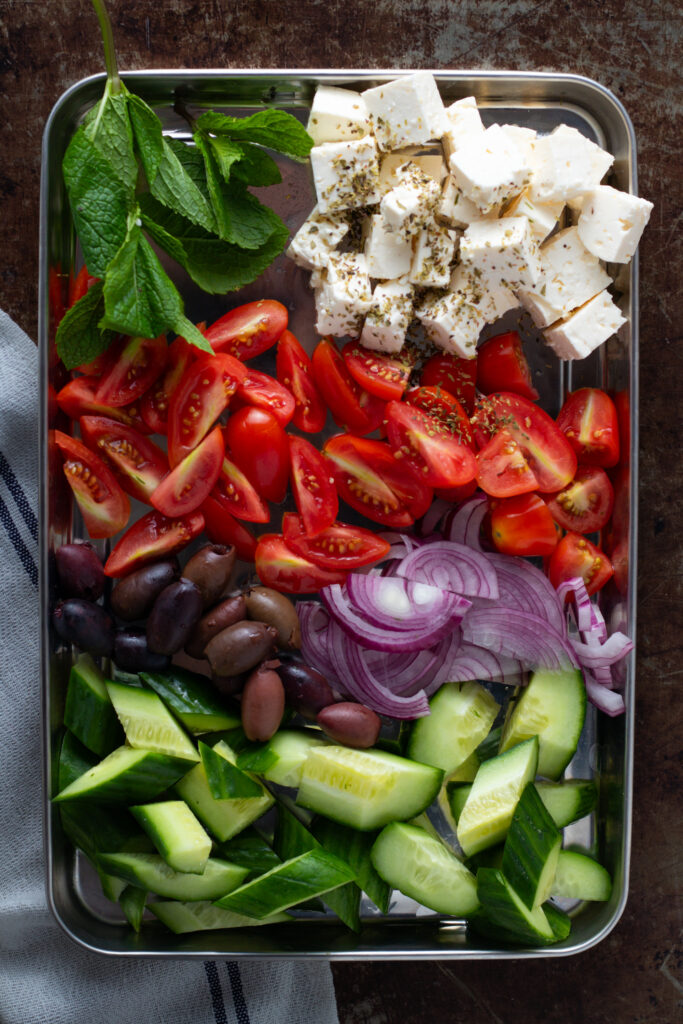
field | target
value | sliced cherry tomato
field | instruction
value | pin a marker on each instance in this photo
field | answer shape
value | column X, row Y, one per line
column 295, row 372
column 258, row 445
column 265, row 393
column 444, row 407
column 453, row 374
column 156, row 402
column 238, row 494
column 523, row 525
column 248, row 330
column 588, row 419
column 502, row 470
column 313, row 486
column 584, row 505
column 340, row 546
column 281, row 568
column 192, row 480
column 133, row 366
column 434, row 454
column 150, row 538
column 80, row 285
column 223, row 528
column 456, row 494
column 384, row 376
column 204, row 391
column 104, row 506
column 352, row 406
column 576, row 556
column 502, row 366
column 138, row 463
column 77, row 398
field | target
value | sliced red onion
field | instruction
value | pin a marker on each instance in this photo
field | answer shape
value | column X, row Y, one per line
column 606, row 700
column 464, row 525
column 315, row 622
column 518, row 635
column 375, row 637
column 433, row 516
column 523, row 586
column 472, row 662
column 593, row 656
column 401, row 544
column 395, row 603
column 451, row 566
column 574, row 590
column 604, row 676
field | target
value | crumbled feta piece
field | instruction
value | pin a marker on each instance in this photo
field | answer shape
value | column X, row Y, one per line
column 502, row 252
column 462, row 122
column 317, row 237
column 570, row 276
column 567, row 164
column 492, row 299
column 524, row 139
column 433, row 252
column 337, row 114
column 346, row 173
column 430, row 163
column 344, row 297
column 406, row 112
column 574, row 206
column 587, row 328
column 407, row 206
column 456, row 209
column 542, row 217
column 489, row 168
column 452, row 322
column 389, row 316
column 612, row 222
column 388, row 254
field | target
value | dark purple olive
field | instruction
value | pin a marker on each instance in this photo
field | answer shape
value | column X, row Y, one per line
column 210, row 569
column 263, row 704
column 306, row 690
column 132, row 654
column 229, row 685
column 240, row 647
column 174, row 615
column 354, row 725
column 266, row 605
column 80, row 571
column 85, row 624
column 225, row 614
column 133, row 596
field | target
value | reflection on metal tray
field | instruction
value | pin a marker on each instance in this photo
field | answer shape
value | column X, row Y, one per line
column 539, row 101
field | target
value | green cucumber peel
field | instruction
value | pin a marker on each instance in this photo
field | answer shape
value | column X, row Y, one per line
column 226, row 780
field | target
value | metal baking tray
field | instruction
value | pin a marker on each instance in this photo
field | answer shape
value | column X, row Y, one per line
column 540, row 101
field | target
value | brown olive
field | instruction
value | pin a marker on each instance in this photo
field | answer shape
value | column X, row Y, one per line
column 133, row 596
column 266, row 605
column 306, row 690
column 132, row 654
column 210, row 569
column 240, row 647
column 354, row 725
column 263, row 704
column 232, row 610
column 174, row 615
column 229, row 685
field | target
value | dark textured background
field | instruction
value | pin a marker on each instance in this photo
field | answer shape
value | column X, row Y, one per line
column 636, row 974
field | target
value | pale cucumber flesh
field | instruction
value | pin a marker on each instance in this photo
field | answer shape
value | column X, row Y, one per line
column 148, row 724
column 150, row 871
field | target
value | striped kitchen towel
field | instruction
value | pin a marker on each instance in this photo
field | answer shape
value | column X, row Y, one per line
column 44, row 976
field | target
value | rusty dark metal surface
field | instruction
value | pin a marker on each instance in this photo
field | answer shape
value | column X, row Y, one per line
column 636, row 974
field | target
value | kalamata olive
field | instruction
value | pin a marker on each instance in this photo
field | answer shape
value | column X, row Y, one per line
column 225, row 614
column 85, row 624
column 132, row 654
column 80, row 571
column 263, row 704
column 174, row 615
column 133, row 596
column 306, row 690
column 266, row 605
column 210, row 569
column 240, row 647
column 229, row 685
column 354, row 725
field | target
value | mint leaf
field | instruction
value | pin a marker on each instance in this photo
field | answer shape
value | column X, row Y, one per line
column 275, row 129
column 250, row 222
column 186, row 329
column 107, row 125
column 192, row 161
column 225, row 153
column 174, row 187
column 215, row 183
column 79, row 339
column 255, row 166
column 148, row 137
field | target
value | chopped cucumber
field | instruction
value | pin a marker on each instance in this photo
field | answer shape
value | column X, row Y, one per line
column 176, row 833
column 504, row 910
column 489, row 747
column 132, row 901
column 569, row 800
column 552, row 707
column 457, row 794
column 148, row 724
column 461, row 715
column 225, row 779
column 560, row 922
column 88, row 712
column 531, row 849
column 201, row 916
column 150, row 871
column 251, row 850
column 366, row 788
column 192, row 699
column 126, row 776
column 354, row 847
column 281, row 759
column 466, row 771
column 579, row 877
column 112, row 887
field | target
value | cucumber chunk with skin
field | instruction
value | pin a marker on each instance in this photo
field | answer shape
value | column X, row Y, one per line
column 569, row 800
column 354, row 847
column 201, row 916
column 252, row 850
column 579, row 877
column 88, row 711
column 176, row 833
column 126, row 776
column 192, row 699
column 466, row 771
column 531, row 849
column 461, row 716
column 366, row 789
column 283, row 756
column 132, row 902
column 225, row 779
column 147, row 722
column 553, row 707
column 504, row 910
column 150, row 871
column 457, row 793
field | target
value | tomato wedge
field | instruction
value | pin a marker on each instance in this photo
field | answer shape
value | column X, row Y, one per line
column 576, row 556
column 133, row 364
column 502, row 470
column 238, row 494
column 502, row 366
column 203, row 393
column 295, row 372
column 382, row 375
column 77, row 398
column 456, row 494
column 248, row 330
column 340, row 546
column 155, row 403
column 589, row 421
column 192, row 480
column 313, row 486
column 434, row 454
column 453, row 374
column 258, row 445
column 584, row 505
column 104, row 506
column 352, row 406
column 265, row 392
column 445, row 408
column 138, row 463
column 523, row 525
column 150, row 538
column 223, row 528
column 281, row 568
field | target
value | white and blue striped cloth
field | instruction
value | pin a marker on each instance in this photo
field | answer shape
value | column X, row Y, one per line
column 44, row 976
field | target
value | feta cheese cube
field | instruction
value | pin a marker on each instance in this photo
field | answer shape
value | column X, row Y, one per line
column 611, row 223
column 344, row 296
column 406, row 112
column 502, row 252
column 524, row 139
column 388, row 254
column 346, row 173
column 452, row 322
column 408, row 205
column 455, row 209
column 462, row 122
column 433, row 253
column 430, row 163
column 542, row 217
column 317, row 237
column 389, row 316
column 489, row 168
column 588, row 327
column 566, row 165
column 337, row 114
column 492, row 299
column 570, row 276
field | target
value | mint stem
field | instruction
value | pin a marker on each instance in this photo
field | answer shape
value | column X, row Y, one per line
column 109, row 49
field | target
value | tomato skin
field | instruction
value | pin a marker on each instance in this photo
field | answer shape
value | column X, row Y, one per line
column 445, row 408
column 340, row 546
column 104, row 506
column 265, row 392
column 192, row 480
column 453, row 374
column 295, row 372
column 138, row 463
column 133, row 364
column 585, row 504
column 223, row 528
column 155, row 403
column 431, row 451
column 588, row 419
column 80, row 285
column 258, row 445
column 77, row 398
column 279, row 567
column 238, row 493
column 523, row 525
column 456, row 494
column 150, row 538
column 576, row 556
column 502, row 366
column 206, row 387
column 351, row 406
column 313, row 486
column 248, row 330
column 380, row 374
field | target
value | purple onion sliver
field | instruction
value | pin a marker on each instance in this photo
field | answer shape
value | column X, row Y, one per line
column 609, row 701
column 397, row 604
column 603, row 655
column 314, row 622
column 519, row 635
column 363, row 632
column 464, row 526
column 453, row 567
column 433, row 516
